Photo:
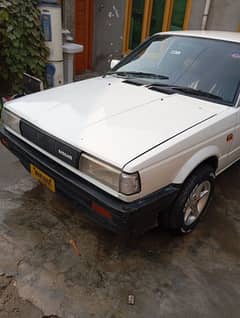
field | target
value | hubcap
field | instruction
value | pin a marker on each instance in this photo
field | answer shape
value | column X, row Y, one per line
column 196, row 202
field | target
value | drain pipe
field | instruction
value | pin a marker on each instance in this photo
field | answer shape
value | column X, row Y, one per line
column 205, row 14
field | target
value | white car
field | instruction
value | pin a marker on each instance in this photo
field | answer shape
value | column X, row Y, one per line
column 141, row 145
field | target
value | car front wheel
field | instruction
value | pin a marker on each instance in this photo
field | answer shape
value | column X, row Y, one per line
column 193, row 201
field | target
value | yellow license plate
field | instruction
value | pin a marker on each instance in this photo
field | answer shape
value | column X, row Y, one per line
column 43, row 178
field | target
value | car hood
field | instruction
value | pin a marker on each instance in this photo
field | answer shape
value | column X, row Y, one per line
column 110, row 119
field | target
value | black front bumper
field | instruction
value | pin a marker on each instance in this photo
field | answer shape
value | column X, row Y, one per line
column 135, row 217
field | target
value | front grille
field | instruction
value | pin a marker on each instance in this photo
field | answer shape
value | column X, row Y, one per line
column 50, row 144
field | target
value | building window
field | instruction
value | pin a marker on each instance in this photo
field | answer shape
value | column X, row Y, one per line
column 136, row 22
column 146, row 17
column 157, row 16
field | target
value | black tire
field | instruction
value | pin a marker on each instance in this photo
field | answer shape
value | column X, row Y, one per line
column 204, row 175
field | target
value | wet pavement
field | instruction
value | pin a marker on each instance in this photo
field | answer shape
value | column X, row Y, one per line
column 192, row 276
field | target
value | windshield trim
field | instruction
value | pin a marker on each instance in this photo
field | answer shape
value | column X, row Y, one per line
column 208, row 99
column 236, row 100
column 237, row 105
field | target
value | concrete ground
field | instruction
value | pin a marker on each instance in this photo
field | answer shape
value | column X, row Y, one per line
column 43, row 274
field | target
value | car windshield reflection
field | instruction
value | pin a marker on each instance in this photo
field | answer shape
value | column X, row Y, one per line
column 206, row 65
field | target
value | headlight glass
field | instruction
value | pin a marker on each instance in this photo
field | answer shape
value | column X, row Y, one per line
column 100, row 171
column 110, row 176
column 11, row 120
column 129, row 183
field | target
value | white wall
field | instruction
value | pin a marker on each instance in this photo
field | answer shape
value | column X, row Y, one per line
column 224, row 15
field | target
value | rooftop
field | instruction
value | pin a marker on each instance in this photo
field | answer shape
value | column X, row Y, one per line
column 218, row 35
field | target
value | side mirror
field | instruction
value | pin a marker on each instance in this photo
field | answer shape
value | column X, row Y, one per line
column 114, row 63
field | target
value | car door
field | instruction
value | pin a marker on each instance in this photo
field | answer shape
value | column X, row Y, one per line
column 234, row 138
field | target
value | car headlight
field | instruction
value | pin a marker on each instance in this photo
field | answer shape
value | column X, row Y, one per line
column 110, row 176
column 11, row 120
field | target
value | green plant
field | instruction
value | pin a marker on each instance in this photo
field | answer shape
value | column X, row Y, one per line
column 22, row 47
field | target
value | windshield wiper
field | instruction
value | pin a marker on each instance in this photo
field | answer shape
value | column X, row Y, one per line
column 183, row 89
column 138, row 74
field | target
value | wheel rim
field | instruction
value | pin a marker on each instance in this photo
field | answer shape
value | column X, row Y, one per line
column 196, row 202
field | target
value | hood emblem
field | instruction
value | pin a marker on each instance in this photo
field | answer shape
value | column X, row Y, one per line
column 64, row 154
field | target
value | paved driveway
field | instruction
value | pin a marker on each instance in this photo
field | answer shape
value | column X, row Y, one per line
column 193, row 276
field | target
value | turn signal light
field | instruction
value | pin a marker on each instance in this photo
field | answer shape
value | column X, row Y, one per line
column 4, row 141
column 102, row 211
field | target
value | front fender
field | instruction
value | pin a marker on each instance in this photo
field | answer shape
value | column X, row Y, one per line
column 193, row 162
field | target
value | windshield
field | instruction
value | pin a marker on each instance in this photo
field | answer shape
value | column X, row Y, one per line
column 210, row 66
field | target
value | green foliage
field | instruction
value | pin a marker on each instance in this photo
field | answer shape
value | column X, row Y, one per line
column 22, row 47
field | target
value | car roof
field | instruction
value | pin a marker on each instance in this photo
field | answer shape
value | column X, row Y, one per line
column 218, row 35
